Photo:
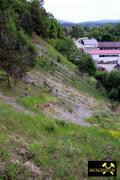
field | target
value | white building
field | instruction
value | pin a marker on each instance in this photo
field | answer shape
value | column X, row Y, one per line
column 105, row 55
column 106, row 52
column 86, row 44
column 78, row 42
column 90, row 43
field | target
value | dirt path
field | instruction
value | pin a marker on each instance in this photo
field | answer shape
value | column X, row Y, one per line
column 11, row 101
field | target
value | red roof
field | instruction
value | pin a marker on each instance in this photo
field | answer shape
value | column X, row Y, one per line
column 102, row 52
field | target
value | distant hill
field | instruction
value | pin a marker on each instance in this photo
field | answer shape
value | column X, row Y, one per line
column 89, row 23
column 66, row 23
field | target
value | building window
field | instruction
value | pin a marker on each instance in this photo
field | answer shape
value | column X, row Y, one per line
column 108, row 55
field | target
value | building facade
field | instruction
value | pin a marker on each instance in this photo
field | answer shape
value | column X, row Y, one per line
column 105, row 56
column 109, row 45
column 105, row 52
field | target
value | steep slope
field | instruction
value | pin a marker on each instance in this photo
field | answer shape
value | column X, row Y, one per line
column 64, row 82
column 36, row 140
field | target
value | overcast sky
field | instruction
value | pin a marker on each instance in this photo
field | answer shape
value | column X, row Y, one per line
column 83, row 10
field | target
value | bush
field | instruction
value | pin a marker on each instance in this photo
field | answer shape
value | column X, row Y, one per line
column 26, row 22
column 66, row 47
column 102, row 77
column 113, row 80
column 50, row 127
column 87, row 65
column 113, row 94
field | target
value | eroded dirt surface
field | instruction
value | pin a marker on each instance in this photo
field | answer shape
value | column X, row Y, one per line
column 12, row 101
column 72, row 105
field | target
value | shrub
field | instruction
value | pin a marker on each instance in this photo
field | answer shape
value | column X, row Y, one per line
column 113, row 94
column 113, row 80
column 50, row 127
column 87, row 65
column 102, row 77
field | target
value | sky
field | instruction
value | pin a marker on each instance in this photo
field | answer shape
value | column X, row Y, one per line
column 83, row 10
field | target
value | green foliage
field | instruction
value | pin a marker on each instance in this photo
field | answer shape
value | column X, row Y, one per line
column 39, row 18
column 67, row 47
column 111, row 81
column 105, row 33
column 55, row 30
column 53, row 33
column 25, row 40
column 107, row 37
column 77, row 32
column 113, row 94
column 106, row 120
column 36, row 102
column 117, row 30
column 51, row 145
column 50, row 127
column 43, row 63
column 26, row 22
column 87, row 65
column 17, row 51
column 113, row 85
column 95, row 33
column 12, row 25
column 102, row 77
column 14, row 171
column 19, row 19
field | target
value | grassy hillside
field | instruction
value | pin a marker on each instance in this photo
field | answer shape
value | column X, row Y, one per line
column 36, row 142
column 48, row 60
column 58, row 149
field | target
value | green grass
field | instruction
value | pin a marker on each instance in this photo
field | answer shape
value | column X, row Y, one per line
column 85, row 84
column 106, row 121
column 50, row 55
column 36, row 102
column 44, row 64
column 61, row 150
column 88, row 85
column 53, row 145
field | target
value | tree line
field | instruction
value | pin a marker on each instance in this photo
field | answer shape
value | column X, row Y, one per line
column 111, row 82
column 103, row 33
column 19, row 19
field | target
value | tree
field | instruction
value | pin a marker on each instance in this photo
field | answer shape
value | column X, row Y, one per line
column 77, row 31
column 113, row 94
column 67, row 47
column 40, row 19
column 107, row 37
column 108, row 29
column 87, row 65
column 96, row 33
column 15, row 57
column 102, row 78
column 26, row 22
column 113, row 80
column 53, row 32
column 117, row 29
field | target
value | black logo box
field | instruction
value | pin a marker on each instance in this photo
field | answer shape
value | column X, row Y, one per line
column 98, row 165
